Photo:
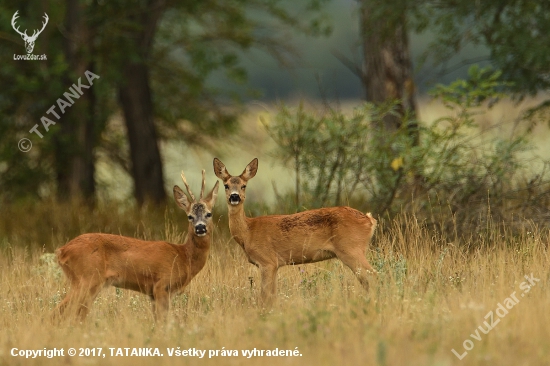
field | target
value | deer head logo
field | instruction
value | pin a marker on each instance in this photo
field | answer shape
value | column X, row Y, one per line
column 29, row 40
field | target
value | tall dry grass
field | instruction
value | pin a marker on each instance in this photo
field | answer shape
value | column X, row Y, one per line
column 431, row 294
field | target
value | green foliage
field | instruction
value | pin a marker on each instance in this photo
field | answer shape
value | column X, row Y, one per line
column 324, row 149
column 514, row 32
column 194, row 42
column 482, row 84
column 454, row 167
column 29, row 89
column 48, row 268
column 391, row 265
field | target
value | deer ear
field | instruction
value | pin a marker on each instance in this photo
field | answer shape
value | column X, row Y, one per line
column 210, row 200
column 250, row 170
column 181, row 199
column 220, row 170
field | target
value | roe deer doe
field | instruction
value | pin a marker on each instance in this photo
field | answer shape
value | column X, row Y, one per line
column 274, row 241
column 155, row 268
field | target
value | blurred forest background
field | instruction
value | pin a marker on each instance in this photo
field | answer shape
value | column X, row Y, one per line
column 431, row 114
column 335, row 95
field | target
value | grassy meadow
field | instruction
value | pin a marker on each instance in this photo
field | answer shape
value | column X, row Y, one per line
column 433, row 294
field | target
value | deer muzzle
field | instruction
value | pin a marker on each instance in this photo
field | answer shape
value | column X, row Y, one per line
column 200, row 230
column 234, row 199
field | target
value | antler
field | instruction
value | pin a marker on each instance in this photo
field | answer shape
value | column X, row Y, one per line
column 203, row 184
column 44, row 23
column 24, row 34
column 34, row 34
column 15, row 16
column 187, row 186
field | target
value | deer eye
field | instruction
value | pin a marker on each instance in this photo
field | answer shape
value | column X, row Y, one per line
column 190, row 218
column 243, row 187
column 226, row 186
column 209, row 215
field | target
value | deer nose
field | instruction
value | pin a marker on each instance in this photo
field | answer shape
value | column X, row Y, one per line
column 234, row 198
column 200, row 229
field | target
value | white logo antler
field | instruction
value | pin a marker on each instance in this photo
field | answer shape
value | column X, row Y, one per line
column 29, row 41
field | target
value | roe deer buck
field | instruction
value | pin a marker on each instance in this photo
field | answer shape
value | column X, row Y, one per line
column 155, row 268
column 274, row 241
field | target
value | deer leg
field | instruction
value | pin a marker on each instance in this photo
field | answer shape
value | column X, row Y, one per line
column 161, row 301
column 61, row 307
column 87, row 294
column 79, row 299
column 68, row 300
column 357, row 262
column 269, row 285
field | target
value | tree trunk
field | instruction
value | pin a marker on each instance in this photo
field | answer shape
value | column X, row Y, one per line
column 135, row 98
column 137, row 105
column 387, row 62
column 75, row 141
column 388, row 76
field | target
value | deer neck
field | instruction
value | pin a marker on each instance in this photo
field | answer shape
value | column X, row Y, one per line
column 197, row 250
column 238, row 225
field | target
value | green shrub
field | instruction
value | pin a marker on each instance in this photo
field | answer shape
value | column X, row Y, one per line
column 449, row 174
